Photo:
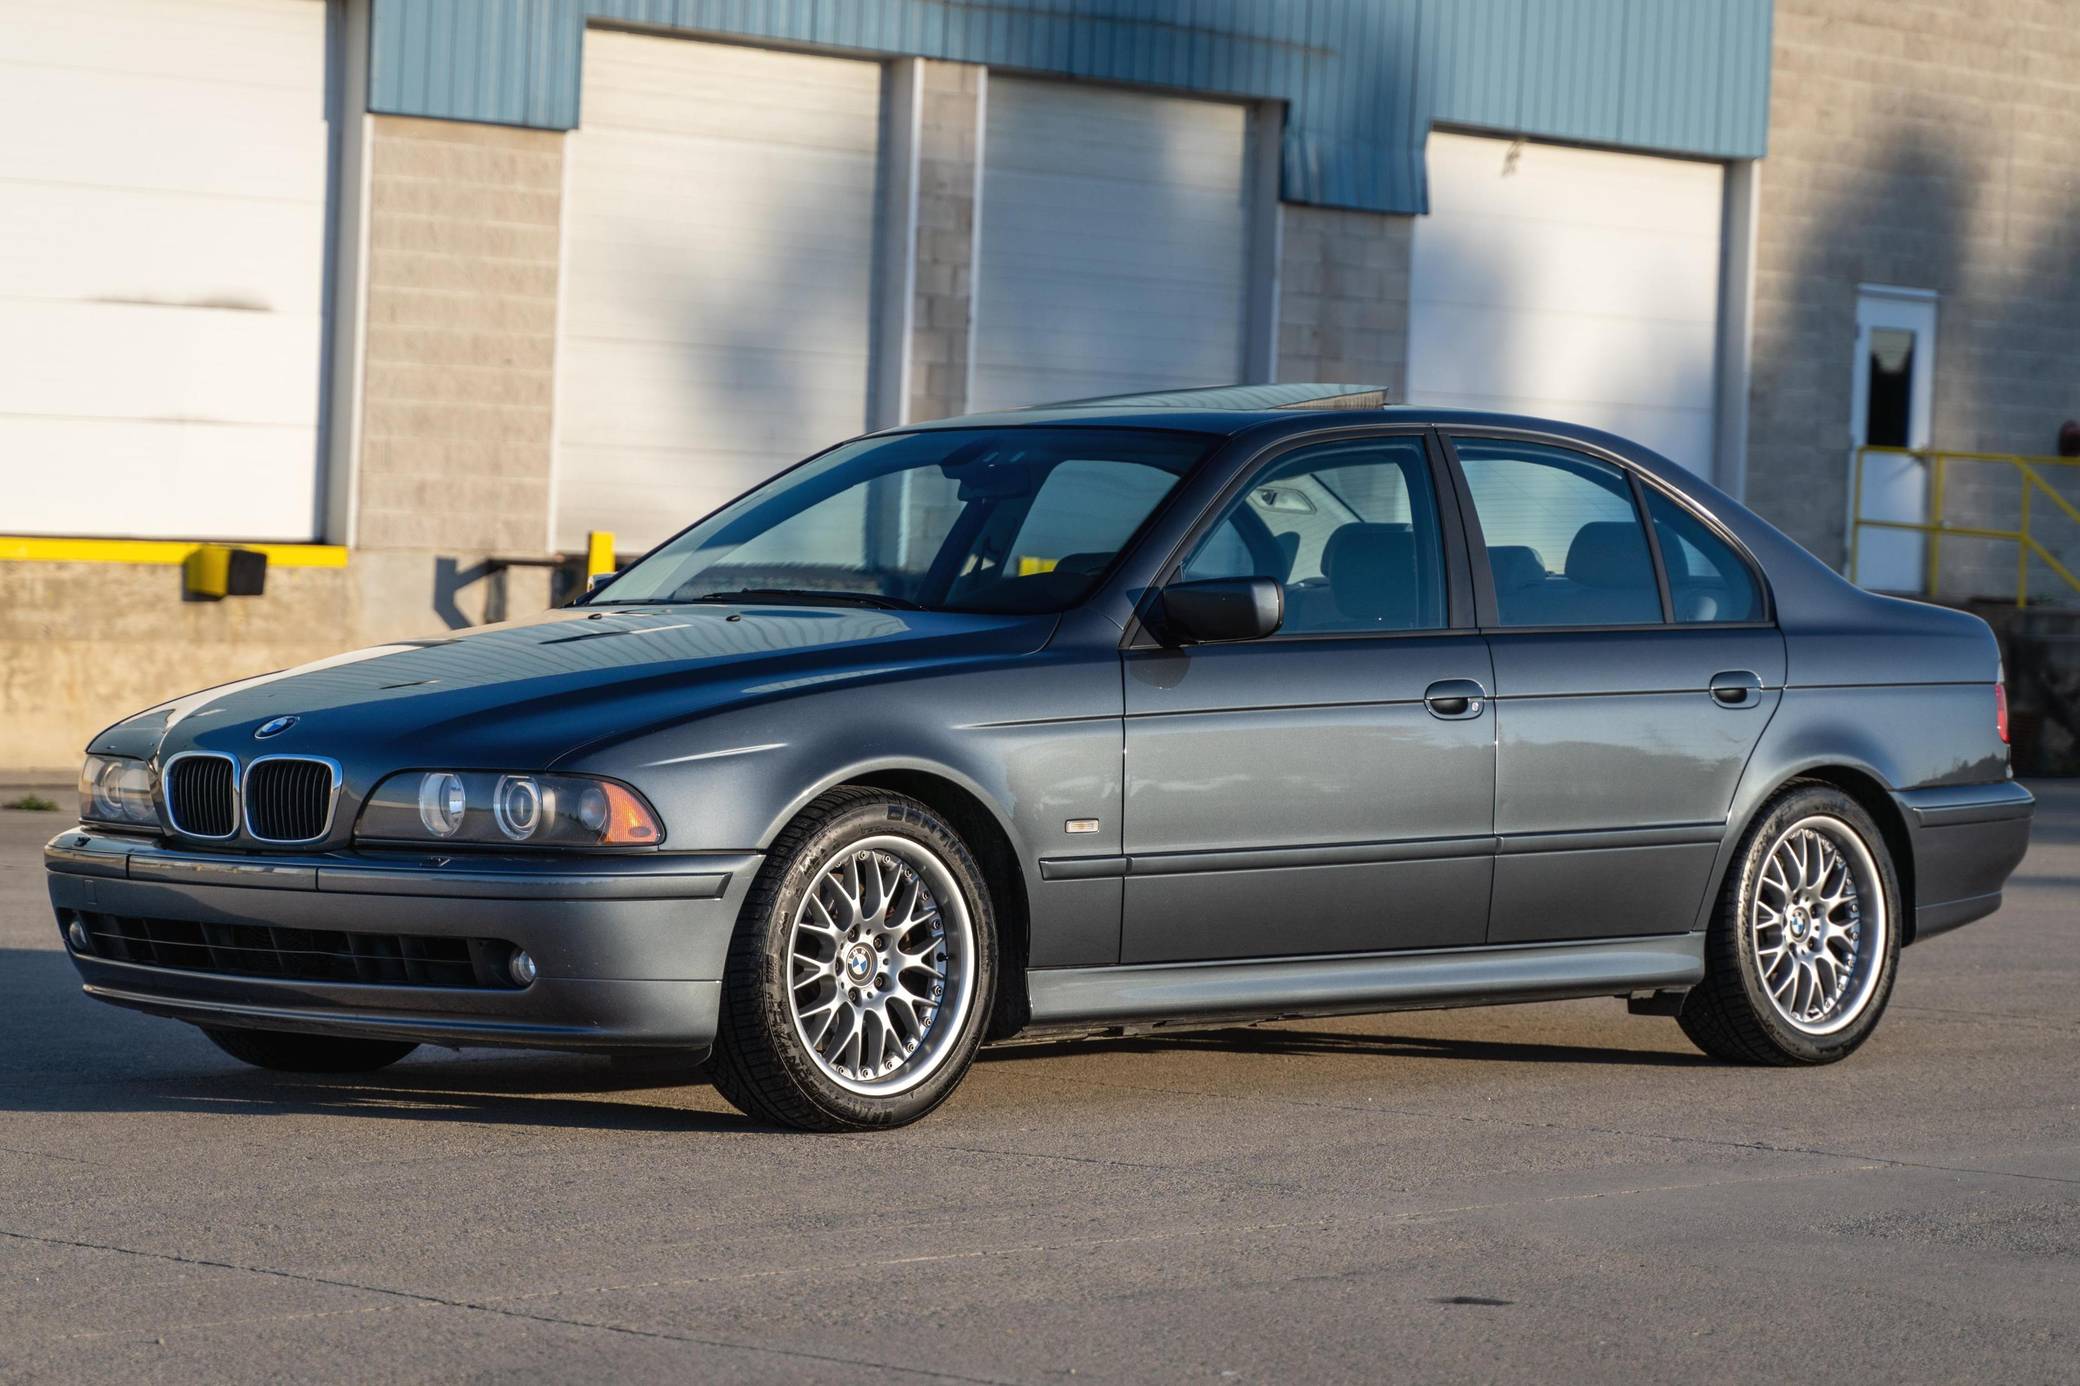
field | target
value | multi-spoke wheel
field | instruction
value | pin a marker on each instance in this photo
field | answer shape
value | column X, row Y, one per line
column 1800, row 957
column 881, row 966
column 861, row 973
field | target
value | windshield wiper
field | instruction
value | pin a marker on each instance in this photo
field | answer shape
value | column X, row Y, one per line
column 804, row 596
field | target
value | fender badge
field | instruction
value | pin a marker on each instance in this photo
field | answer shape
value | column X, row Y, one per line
column 273, row 726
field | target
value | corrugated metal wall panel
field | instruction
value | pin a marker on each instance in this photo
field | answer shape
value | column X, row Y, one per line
column 1363, row 79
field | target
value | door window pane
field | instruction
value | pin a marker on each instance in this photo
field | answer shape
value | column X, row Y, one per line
column 1349, row 529
column 1889, row 413
column 1565, row 544
column 1706, row 579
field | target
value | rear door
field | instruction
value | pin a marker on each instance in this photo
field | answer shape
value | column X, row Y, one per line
column 1329, row 789
column 1634, row 672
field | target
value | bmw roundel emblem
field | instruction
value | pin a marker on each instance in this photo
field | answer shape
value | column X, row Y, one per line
column 273, row 726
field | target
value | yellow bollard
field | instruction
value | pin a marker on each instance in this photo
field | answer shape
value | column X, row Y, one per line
column 599, row 554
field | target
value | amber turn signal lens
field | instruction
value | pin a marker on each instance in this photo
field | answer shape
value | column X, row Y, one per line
column 629, row 820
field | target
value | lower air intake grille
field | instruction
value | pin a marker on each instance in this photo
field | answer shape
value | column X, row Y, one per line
column 288, row 800
column 303, row 955
column 202, row 796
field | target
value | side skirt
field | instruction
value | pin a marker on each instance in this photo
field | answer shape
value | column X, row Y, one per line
column 1183, row 993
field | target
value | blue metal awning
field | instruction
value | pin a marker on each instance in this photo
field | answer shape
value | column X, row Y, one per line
column 1362, row 80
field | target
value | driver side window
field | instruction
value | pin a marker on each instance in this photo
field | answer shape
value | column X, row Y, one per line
column 1348, row 529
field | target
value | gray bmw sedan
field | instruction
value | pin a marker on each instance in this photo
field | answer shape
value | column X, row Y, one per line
column 1208, row 706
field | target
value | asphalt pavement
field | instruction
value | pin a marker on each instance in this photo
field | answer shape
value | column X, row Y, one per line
column 1550, row 1193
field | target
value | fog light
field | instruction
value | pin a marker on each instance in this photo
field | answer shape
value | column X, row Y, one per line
column 76, row 935
column 522, row 967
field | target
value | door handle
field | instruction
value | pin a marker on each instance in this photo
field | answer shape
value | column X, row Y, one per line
column 1736, row 688
column 1454, row 700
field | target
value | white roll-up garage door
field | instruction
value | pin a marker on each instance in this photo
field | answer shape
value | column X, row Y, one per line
column 1114, row 248
column 163, row 185
column 718, row 276
column 1576, row 284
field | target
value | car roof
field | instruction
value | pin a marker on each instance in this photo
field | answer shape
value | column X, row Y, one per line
column 1228, row 409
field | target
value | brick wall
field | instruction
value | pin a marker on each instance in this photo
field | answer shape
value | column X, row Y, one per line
column 1928, row 146
column 1343, row 297
column 461, row 336
column 949, row 142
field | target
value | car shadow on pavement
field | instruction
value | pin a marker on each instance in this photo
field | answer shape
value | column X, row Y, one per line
column 1285, row 1041
column 60, row 1052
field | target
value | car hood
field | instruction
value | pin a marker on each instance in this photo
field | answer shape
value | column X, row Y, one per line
column 526, row 694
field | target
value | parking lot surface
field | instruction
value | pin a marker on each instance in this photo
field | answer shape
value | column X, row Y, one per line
column 1554, row 1192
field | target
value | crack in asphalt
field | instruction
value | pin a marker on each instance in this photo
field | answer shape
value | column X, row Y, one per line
column 501, row 1304
column 1763, row 1147
column 422, row 1299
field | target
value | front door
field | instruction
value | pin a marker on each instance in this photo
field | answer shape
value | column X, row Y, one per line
column 1330, row 789
column 1633, row 677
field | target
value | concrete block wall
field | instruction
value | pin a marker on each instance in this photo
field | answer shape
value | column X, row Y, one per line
column 460, row 360
column 949, row 148
column 84, row 644
column 1343, row 297
column 1929, row 146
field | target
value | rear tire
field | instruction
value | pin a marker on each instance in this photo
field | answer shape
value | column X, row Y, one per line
column 1800, row 956
column 285, row 1052
column 863, row 969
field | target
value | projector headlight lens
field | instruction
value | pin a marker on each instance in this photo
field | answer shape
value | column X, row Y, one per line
column 116, row 790
column 442, row 801
column 517, row 805
column 487, row 808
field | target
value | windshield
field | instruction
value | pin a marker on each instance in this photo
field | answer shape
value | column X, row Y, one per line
column 1000, row 520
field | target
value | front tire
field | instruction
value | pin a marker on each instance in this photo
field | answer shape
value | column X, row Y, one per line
column 284, row 1052
column 1801, row 955
column 862, row 973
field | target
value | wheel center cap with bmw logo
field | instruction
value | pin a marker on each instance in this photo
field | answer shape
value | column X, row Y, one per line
column 859, row 963
column 273, row 726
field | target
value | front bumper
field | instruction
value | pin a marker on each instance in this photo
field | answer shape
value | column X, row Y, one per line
column 630, row 949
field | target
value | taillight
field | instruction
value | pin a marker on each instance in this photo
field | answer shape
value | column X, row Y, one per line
column 2000, row 711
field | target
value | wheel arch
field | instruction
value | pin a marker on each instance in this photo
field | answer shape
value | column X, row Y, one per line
column 1871, row 793
column 964, row 805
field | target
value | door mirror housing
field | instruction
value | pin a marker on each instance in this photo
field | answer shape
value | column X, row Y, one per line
column 1222, row 610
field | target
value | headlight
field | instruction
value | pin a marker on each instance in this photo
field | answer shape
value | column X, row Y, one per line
column 118, row 790
column 489, row 809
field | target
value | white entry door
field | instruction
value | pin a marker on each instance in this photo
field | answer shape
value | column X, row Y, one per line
column 717, row 276
column 1889, row 408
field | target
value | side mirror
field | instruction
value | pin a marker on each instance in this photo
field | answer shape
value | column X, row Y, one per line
column 597, row 581
column 1222, row 609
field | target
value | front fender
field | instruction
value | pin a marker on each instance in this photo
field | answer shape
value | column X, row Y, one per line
column 1037, row 742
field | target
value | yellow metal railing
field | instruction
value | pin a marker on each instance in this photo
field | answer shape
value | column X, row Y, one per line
column 2030, row 481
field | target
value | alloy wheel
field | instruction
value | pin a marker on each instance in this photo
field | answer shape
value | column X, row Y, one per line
column 881, row 966
column 1817, row 928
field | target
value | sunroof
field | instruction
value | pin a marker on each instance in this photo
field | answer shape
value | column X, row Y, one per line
column 1297, row 396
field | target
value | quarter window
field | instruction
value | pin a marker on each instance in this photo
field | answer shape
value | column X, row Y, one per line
column 1349, row 529
column 1707, row 581
column 1565, row 543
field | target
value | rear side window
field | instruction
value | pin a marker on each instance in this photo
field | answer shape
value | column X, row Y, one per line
column 1565, row 542
column 1707, row 581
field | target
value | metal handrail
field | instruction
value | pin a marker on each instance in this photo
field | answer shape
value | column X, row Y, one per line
column 2030, row 481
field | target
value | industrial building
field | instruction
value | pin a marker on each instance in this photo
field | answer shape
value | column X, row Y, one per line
column 415, row 296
